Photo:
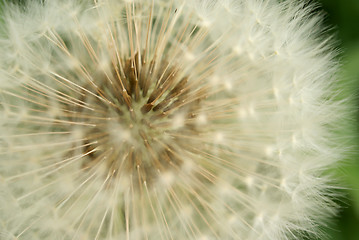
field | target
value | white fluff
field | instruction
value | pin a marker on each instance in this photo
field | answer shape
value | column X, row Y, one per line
column 256, row 167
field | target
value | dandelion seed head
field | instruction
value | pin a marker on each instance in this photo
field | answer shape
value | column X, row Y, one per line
column 165, row 120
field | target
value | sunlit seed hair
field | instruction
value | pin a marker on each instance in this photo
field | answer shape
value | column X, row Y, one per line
column 136, row 119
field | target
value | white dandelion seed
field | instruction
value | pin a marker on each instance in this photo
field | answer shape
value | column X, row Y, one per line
column 165, row 120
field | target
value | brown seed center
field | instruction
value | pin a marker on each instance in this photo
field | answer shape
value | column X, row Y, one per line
column 147, row 107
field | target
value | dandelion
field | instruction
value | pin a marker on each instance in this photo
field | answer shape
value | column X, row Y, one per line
column 163, row 120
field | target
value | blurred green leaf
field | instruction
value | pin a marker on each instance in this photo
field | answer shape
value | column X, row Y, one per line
column 344, row 16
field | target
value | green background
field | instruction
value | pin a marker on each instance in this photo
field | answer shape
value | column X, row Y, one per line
column 343, row 15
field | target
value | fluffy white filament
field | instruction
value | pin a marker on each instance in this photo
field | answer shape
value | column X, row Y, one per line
column 165, row 120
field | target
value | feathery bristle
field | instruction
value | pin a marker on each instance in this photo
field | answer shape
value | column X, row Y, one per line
column 165, row 120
